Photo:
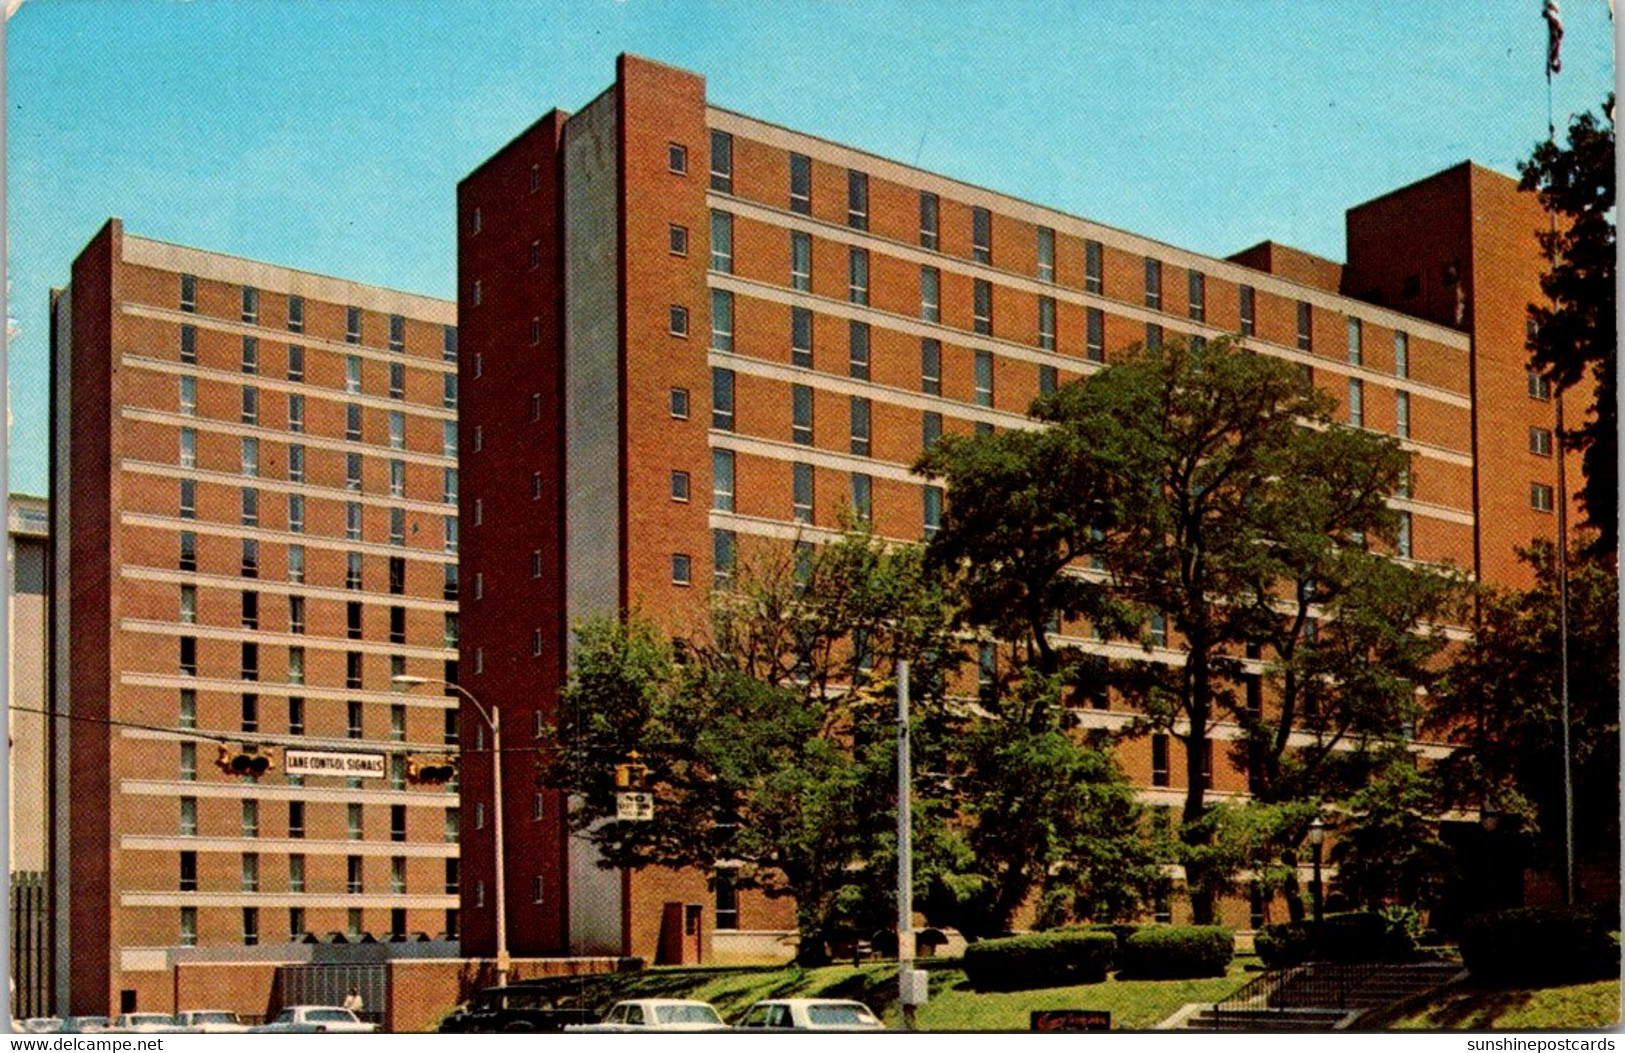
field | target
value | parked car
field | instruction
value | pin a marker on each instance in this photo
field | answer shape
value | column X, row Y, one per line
column 41, row 1025
column 86, row 1025
column 145, row 1023
column 306, row 1019
column 212, row 1021
column 657, row 1014
column 809, row 1014
column 514, row 1010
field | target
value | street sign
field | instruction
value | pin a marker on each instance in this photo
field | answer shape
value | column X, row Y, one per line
column 316, row 762
column 634, row 806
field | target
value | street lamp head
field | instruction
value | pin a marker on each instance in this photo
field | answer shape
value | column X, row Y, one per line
column 1317, row 832
column 407, row 680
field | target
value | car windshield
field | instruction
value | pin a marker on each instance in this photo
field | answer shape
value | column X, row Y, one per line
column 151, row 1018
column 837, row 1014
column 214, row 1018
column 330, row 1015
column 686, row 1014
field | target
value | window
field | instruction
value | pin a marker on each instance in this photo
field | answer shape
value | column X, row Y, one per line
column 1249, row 311
column 188, row 875
column 352, row 671
column 296, row 463
column 722, row 399
column 723, row 546
column 1048, row 379
column 188, row 502
column 250, row 609
column 251, row 926
column 352, row 619
column 397, row 876
column 352, row 421
column 188, row 343
column 449, row 525
column 251, row 355
column 448, row 439
column 296, row 413
column 188, row 827
column 251, row 558
column 679, row 405
column 722, row 480
column 682, row 569
column 352, row 472
column 296, row 923
column 857, row 275
column 448, row 350
column 251, row 818
column 982, row 306
column 352, row 570
column 479, row 290
column 1153, row 283
column 250, row 712
column 722, row 320
column 448, row 486
column 1153, row 335
column 981, row 235
column 188, row 553
column 188, row 456
column 1207, row 764
column 801, row 414
column 801, row 184
column 1402, row 355
column 677, row 320
column 931, row 367
column 1539, row 387
column 722, row 162
column 296, row 615
column 188, row 766
column 397, row 380
column 676, row 241
column 930, row 294
column 987, row 667
column 188, row 708
column 296, row 665
column 1540, row 497
column 1402, row 414
column 251, row 506
column 801, row 337
column 1306, row 377
column 930, row 429
column 857, row 336
column 1356, row 402
column 1540, row 441
column 1093, row 267
column 1306, row 326
column 397, row 333
column 860, row 426
column 932, row 518
column 397, row 476
column 296, row 563
column 352, row 374
column 1198, row 296
column 929, row 220
column 1046, row 322
column 352, row 325
column 397, row 430
column 677, row 158
column 188, row 396
column 251, row 406
column 251, row 872
column 1159, row 760
column 801, row 508
column 722, row 242
column 679, row 486
column 1356, row 351
column 251, row 304
column 857, row 200
column 862, row 497
column 296, row 314
column 250, row 661
column 352, row 521
column 1402, row 538
column 800, row 261
column 397, row 526
column 188, row 292
column 984, row 378
column 353, row 873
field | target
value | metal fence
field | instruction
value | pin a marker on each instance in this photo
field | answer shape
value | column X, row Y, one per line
column 330, row 985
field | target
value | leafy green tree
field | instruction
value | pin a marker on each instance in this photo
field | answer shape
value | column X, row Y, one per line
column 1576, row 334
column 1500, row 700
column 1387, row 847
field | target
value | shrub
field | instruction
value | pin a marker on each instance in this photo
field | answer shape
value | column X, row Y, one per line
column 1283, row 944
column 1542, row 945
column 1039, row 959
column 1176, row 952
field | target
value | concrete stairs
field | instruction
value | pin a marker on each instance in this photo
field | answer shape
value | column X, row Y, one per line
column 1318, row 996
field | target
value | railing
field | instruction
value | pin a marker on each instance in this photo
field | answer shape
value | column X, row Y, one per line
column 1314, row 985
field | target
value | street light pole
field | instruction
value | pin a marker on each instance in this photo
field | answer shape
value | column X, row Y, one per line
column 493, row 720
column 1317, row 836
column 905, row 855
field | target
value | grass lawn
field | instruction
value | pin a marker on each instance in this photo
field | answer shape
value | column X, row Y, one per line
column 953, row 1006
column 1568, row 1008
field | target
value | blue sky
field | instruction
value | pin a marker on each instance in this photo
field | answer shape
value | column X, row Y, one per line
column 330, row 135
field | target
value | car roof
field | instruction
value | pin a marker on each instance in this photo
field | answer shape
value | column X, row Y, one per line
column 664, row 1001
column 810, row 1001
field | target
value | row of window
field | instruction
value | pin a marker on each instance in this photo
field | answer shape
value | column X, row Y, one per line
column 249, row 663
column 250, row 616
column 355, row 874
column 249, row 466
column 251, row 721
column 249, row 500
column 250, row 415
column 296, row 318
column 353, row 579
column 249, row 825
column 298, row 928
column 353, row 368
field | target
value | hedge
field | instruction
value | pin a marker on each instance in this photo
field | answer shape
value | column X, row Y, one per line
column 1542, row 945
column 1177, row 952
column 1358, row 936
column 1058, row 958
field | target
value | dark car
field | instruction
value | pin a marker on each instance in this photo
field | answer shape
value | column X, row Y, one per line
column 515, row 1010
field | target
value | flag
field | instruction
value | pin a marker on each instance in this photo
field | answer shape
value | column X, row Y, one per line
column 1554, row 37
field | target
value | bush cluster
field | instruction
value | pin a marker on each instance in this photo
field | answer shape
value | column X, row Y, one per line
column 1542, row 945
column 1177, row 952
column 1358, row 936
column 1039, row 959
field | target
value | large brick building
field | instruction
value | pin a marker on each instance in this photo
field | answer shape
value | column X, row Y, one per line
column 254, row 528
column 684, row 327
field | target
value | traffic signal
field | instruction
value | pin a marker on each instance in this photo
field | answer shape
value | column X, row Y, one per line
column 244, row 760
column 430, row 770
column 631, row 775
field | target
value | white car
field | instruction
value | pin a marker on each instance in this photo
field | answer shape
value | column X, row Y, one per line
column 212, row 1021
column 657, row 1014
column 306, row 1019
column 145, row 1023
column 86, row 1025
column 809, row 1014
column 41, row 1025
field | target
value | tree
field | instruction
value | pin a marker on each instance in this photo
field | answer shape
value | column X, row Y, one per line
column 1500, row 700
column 1388, row 849
column 1577, row 334
column 767, row 734
column 1209, row 491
